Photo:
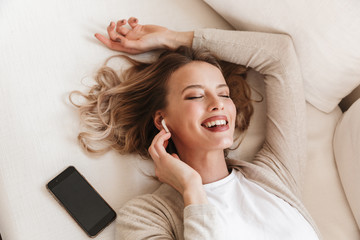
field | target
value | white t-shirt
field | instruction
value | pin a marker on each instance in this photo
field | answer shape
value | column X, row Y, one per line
column 250, row 212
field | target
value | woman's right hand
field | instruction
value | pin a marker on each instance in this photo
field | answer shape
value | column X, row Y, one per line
column 171, row 170
column 142, row 38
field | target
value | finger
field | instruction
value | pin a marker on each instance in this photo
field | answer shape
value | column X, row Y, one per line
column 120, row 29
column 175, row 156
column 152, row 149
column 121, row 22
column 103, row 39
column 133, row 22
column 114, row 45
column 159, row 144
column 117, row 45
column 157, row 136
column 166, row 143
column 153, row 154
column 113, row 35
column 156, row 140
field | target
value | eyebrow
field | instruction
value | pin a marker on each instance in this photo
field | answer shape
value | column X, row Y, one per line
column 200, row 86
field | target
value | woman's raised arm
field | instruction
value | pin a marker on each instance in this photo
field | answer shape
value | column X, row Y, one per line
column 274, row 56
column 142, row 38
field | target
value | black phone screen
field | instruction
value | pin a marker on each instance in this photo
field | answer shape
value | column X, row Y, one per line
column 81, row 200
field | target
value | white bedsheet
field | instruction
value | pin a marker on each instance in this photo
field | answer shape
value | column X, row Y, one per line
column 47, row 48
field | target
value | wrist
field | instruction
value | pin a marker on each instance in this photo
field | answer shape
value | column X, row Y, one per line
column 194, row 193
column 176, row 39
column 196, row 196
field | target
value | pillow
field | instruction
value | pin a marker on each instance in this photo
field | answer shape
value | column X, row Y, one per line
column 326, row 36
column 347, row 155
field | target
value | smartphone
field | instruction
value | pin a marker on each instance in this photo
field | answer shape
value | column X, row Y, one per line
column 81, row 201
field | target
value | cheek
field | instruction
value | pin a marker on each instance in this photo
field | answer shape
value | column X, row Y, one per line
column 232, row 109
column 194, row 108
column 185, row 113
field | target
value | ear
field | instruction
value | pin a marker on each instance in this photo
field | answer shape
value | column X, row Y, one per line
column 157, row 119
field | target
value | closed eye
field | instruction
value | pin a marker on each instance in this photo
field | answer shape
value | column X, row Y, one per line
column 193, row 97
column 224, row 96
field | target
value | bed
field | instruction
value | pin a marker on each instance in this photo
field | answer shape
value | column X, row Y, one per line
column 47, row 50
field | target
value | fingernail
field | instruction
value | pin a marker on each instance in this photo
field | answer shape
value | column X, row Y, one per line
column 135, row 20
column 110, row 24
column 117, row 40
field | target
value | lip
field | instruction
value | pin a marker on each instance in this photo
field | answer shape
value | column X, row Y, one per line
column 214, row 118
column 218, row 128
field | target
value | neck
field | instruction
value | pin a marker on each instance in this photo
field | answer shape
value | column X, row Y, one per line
column 210, row 165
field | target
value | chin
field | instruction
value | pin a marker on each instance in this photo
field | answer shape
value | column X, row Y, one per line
column 225, row 143
column 228, row 145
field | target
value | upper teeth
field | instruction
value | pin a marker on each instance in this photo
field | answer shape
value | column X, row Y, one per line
column 213, row 123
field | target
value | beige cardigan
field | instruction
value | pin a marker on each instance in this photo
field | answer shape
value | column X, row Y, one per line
column 278, row 167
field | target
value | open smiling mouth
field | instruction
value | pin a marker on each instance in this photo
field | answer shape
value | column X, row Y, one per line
column 214, row 124
column 217, row 123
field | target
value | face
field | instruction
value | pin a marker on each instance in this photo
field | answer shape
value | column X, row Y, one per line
column 200, row 114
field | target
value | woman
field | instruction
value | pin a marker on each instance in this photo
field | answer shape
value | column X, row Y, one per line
column 205, row 195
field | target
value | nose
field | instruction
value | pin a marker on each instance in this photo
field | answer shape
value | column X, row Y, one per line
column 215, row 104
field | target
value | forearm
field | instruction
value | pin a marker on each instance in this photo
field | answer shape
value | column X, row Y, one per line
column 176, row 39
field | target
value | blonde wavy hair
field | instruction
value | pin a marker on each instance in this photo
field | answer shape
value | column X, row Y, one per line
column 119, row 109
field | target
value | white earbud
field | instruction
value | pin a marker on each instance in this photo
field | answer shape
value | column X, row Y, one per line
column 164, row 125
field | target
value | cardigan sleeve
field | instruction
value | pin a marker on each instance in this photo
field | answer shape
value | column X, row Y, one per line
column 162, row 216
column 140, row 218
column 273, row 55
column 202, row 222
